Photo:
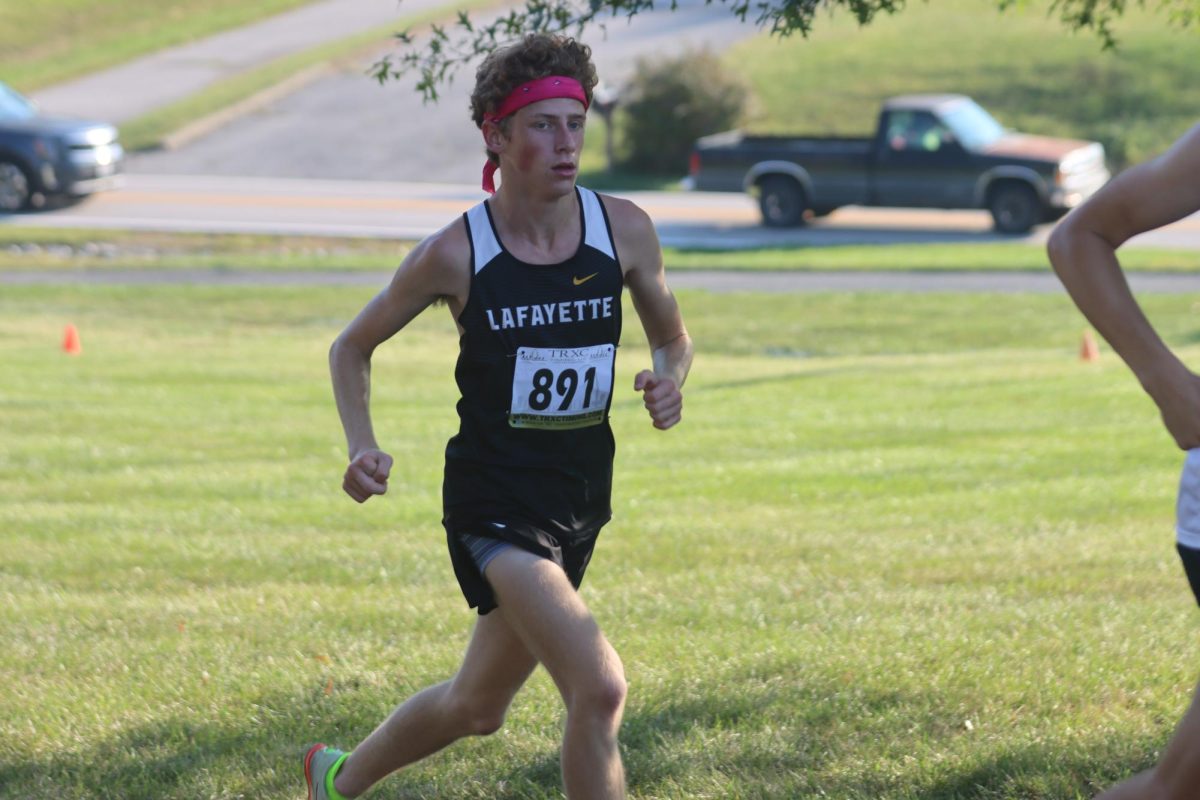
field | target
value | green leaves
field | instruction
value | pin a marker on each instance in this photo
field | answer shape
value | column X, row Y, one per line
column 436, row 58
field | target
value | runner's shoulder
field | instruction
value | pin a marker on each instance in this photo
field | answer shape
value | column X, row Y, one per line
column 442, row 259
column 449, row 246
column 633, row 231
column 625, row 214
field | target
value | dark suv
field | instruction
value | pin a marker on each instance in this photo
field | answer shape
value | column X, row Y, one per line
column 43, row 157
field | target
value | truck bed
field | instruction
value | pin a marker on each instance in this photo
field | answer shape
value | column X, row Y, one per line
column 725, row 157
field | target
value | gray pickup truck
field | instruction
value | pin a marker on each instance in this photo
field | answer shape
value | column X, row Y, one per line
column 929, row 151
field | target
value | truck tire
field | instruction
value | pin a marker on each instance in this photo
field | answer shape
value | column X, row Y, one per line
column 16, row 191
column 781, row 201
column 1015, row 208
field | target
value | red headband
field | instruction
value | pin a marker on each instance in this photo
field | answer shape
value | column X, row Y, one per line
column 548, row 88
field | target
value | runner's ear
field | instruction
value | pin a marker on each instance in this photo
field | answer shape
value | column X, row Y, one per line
column 493, row 138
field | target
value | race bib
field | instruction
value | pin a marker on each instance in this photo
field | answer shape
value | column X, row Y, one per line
column 560, row 388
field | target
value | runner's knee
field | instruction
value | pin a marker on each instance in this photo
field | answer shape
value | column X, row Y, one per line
column 485, row 722
column 601, row 695
column 603, row 699
column 477, row 716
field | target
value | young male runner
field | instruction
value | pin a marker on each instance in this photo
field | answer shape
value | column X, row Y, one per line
column 533, row 277
column 1082, row 250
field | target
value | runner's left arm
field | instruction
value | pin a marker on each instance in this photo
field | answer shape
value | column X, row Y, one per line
column 670, row 344
column 1083, row 251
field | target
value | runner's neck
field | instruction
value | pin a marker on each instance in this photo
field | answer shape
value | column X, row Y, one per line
column 535, row 230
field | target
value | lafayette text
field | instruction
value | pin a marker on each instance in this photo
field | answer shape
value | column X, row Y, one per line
column 550, row 313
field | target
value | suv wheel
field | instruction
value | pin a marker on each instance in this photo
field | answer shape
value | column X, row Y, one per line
column 781, row 201
column 15, row 191
column 1015, row 208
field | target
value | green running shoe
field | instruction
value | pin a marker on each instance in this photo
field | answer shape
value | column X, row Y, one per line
column 321, row 763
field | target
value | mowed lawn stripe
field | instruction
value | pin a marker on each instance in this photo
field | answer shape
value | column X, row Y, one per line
column 902, row 547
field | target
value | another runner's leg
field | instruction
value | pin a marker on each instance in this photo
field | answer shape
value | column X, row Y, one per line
column 1177, row 774
column 472, row 703
column 540, row 604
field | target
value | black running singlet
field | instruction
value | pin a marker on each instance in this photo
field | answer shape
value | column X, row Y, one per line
column 535, row 370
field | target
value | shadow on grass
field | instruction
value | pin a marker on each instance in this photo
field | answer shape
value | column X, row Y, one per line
column 753, row 735
column 1045, row 772
column 185, row 758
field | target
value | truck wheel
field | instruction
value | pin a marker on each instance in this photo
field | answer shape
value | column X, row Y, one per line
column 1015, row 208
column 781, row 201
column 15, row 191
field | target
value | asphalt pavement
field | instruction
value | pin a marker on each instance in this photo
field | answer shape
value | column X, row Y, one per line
column 130, row 90
column 342, row 125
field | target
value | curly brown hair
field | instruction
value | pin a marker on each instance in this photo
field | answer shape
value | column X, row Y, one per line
column 536, row 56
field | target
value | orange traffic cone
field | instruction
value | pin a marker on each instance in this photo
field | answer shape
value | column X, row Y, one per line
column 71, row 344
column 1089, row 350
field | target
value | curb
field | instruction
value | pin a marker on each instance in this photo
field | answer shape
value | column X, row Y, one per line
column 207, row 124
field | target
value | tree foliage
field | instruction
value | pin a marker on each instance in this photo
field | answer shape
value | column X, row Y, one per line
column 435, row 59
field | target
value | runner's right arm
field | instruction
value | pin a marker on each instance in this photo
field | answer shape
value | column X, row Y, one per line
column 435, row 269
column 1083, row 252
column 670, row 345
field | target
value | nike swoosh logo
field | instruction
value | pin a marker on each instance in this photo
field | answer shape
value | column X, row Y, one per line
column 579, row 281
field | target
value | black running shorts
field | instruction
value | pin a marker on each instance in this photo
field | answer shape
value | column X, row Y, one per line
column 1191, row 565
column 572, row 554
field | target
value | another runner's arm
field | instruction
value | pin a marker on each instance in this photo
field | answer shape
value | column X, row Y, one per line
column 670, row 345
column 428, row 273
column 1083, row 252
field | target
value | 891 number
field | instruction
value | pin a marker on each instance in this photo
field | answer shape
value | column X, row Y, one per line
column 545, row 388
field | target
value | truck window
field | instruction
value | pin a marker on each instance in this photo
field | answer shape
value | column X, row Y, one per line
column 916, row 131
column 13, row 106
column 974, row 127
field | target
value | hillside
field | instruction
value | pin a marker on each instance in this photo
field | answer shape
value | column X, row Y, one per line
column 1022, row 65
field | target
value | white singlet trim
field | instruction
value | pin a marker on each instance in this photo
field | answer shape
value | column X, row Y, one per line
column 1187, row 507
column 487, row 246
column 483, row 238
column 595, row 229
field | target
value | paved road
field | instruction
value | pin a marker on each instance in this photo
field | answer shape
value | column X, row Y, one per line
column 345, row 126
column 413, row 210
column 345, row 157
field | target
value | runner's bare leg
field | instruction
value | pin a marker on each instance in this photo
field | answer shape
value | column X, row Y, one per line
column 472, row 703
column 539, row 603
column 1177, row 775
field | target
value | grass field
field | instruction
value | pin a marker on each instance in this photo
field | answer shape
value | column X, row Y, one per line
column 1021, row 65
column 900, row 549
column 30, row 248
column 53, row 40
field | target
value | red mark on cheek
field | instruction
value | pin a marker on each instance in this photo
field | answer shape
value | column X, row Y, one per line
column 526, row 157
